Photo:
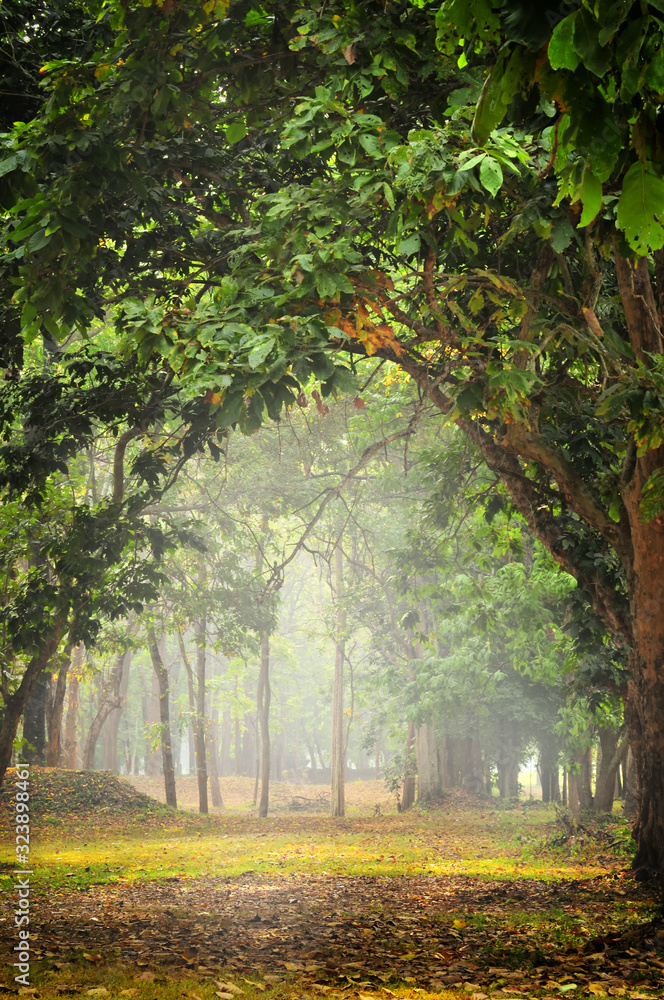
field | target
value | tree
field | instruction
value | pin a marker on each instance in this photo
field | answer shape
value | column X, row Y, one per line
column 493, row 241
column 72, row 558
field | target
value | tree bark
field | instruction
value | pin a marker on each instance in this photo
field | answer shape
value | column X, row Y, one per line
column 631, row 788
column 264, row 699
column 55, row 699
column 429, row 785
column 164, row 718
column 213, row 770
column 607, row 769
column 34, row 722
column 70, row 745
column 408, row 792
column 338, row 760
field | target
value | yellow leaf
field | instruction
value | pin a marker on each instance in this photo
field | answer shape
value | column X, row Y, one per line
column 459, row 924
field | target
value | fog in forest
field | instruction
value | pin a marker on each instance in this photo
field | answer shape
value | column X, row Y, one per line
column 344, row 595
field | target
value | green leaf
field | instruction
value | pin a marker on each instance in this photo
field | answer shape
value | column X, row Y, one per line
column 590, row 193
column 586, row 42
column 409, row 245
column 37, row 241
column 259, row 353
column 491, row 175
column 654, row 74
column 641, row 208
column 235, row 132
column 562, row 235
column 561, row 51
column 8, row 164
column 502, row 85
column 326, row 285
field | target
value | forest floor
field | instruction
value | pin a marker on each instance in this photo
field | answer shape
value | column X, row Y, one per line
column 471, row 899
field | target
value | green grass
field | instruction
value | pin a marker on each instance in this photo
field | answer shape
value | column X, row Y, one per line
column 477, row 845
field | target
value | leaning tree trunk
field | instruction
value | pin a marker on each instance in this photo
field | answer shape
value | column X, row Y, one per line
column 264, row 699
column 164, row 718
column 338, row 791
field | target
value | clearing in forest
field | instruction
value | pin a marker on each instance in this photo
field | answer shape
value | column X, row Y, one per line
column 132, row 899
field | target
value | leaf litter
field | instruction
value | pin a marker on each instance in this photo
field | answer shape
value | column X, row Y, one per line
column 357, row 935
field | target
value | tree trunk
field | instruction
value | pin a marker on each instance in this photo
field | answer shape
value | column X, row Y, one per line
column 264, row 699
column 150, row 720
column 34, row 722
column 164, row 718
column 212, row 743
column 631, row 787
column 584, row 776
column 15, row 703
column 109, row 701
column 112, row 726
column 338, row 761
column 201, row 753
column 548, row 767
column 408, row 793
column 70, row 746
column 55, row 700
column 607, row 769
column 573, row 792
column 429, row 786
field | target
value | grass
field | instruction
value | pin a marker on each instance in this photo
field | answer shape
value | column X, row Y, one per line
column 475, row 848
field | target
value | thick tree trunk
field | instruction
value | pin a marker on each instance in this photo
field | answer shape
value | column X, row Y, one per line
column 429, row 785
column 338, row 762
column 630, row 786
column 584, row 779
column 264, row 699
column 164, row 718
